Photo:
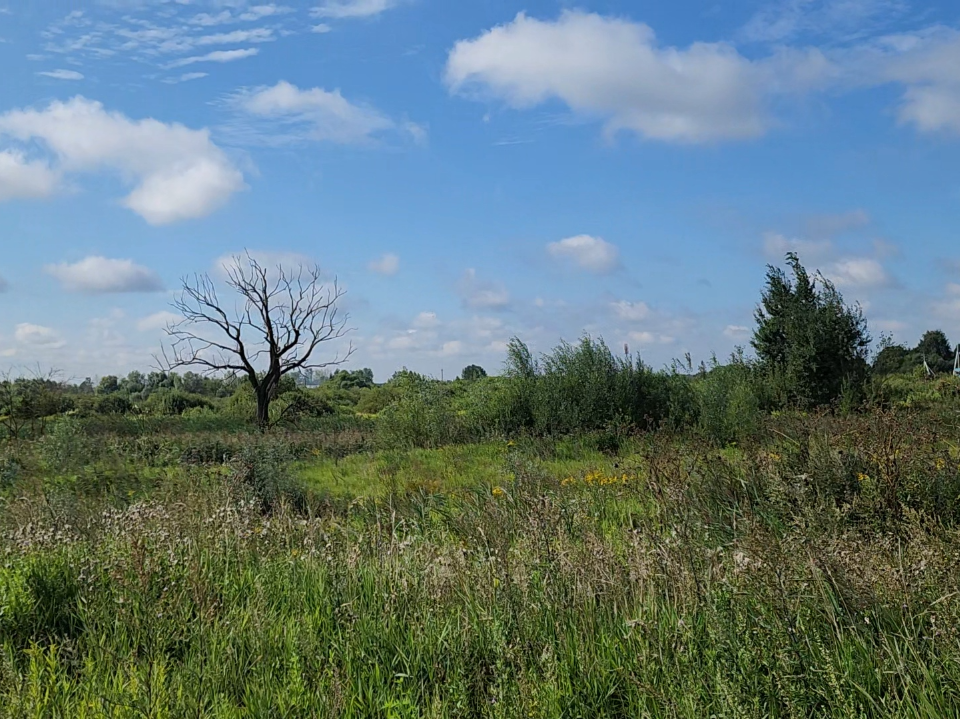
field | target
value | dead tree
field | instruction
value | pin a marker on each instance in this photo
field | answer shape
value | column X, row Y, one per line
column 282, row 318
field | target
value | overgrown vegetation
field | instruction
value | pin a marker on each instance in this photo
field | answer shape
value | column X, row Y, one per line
column 581, row 535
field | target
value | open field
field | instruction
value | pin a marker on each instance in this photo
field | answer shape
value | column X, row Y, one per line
column 811, row 570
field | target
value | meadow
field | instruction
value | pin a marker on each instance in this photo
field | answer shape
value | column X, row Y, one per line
column 786, row 563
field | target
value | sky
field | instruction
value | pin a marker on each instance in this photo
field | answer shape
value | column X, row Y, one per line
column 476, row 170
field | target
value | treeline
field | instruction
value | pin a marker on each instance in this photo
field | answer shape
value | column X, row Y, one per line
column 810, row 352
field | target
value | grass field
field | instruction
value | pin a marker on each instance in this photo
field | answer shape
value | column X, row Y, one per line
column 813, row 573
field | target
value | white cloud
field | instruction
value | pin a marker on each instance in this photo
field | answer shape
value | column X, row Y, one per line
column 858, row 272
column 21, row 178
column 644, row 337
column 157, row 321
column 178, row 173
column 255, row 35
column 62, row 74
column 218, row 56
column 776, row 246
column 736, row 332
column 97, row 274
column 426, row 320
column 207, row 20
column 786, row 19
column 589, row 253
column 320, row 28
column 483, row 294
column 339, row 9
column 37, row 336
column 314, row 114
column 613, row 69
column 186, row 77
column 387, row 264
column 452, row 348
column 272, row 260
column 261, row 11
column 631, row 311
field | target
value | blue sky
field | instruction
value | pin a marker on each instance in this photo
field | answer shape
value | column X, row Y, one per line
column 471, row 171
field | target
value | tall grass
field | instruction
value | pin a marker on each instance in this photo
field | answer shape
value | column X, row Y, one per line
column 810, row 572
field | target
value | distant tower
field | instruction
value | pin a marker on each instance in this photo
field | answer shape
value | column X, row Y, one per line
column 626, row 350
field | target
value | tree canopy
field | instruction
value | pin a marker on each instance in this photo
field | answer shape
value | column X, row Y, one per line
column 810, row 344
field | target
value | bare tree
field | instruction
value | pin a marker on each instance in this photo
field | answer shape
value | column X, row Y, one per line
column 281, row 320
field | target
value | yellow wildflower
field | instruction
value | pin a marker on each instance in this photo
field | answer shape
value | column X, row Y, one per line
column 498, row 491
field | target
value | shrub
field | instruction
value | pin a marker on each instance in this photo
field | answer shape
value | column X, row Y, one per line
column 174, row 402
column 729, row 406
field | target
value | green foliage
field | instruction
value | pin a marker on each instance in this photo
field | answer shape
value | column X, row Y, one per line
column 934, row 348
column 810, row 345
column 472, row 372
column 729, row 406
column 349, row 379
column 166, row 401
column 113, row 404
column 810, row 573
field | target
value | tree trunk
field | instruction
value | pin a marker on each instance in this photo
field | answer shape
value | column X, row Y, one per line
column 263, row 408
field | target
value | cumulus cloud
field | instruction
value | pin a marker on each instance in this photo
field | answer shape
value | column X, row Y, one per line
column 645, row 337
column 777, row 245
column 315, row 114
column 613, row 69
column 387, row 264
column 38, row 336
column 631, row 311
column 96, row 274
column 217, row 56
column 426, row 320
column 858, row 272
column 589, row 253
column 62, row 74
column 736, row 332
column 320, row 28
column 483, row 294
column 929, row 67
column 157, row 321
column 22, row 178
column 178, row 173
column 339, row 9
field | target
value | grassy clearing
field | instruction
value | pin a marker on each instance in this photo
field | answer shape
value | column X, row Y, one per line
column 812, row 574
column 376, row 475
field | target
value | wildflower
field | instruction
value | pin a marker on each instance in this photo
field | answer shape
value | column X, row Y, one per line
column 567, row 481
column 940, row 464
column 510, row 443
column 498, row 491
column 861, row 477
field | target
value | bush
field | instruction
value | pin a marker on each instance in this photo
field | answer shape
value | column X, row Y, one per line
column 113, row 404
column 729, row 406
column 174, row 402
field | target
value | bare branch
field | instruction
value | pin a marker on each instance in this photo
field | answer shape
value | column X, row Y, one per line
column 284, row 320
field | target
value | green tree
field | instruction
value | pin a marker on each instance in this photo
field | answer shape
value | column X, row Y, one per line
column 811, row 345
column 473, row 372
column 936, row 350
column 108, row 384
column 347, row 379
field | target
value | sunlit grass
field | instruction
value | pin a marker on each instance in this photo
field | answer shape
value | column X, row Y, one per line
column 529, row 578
